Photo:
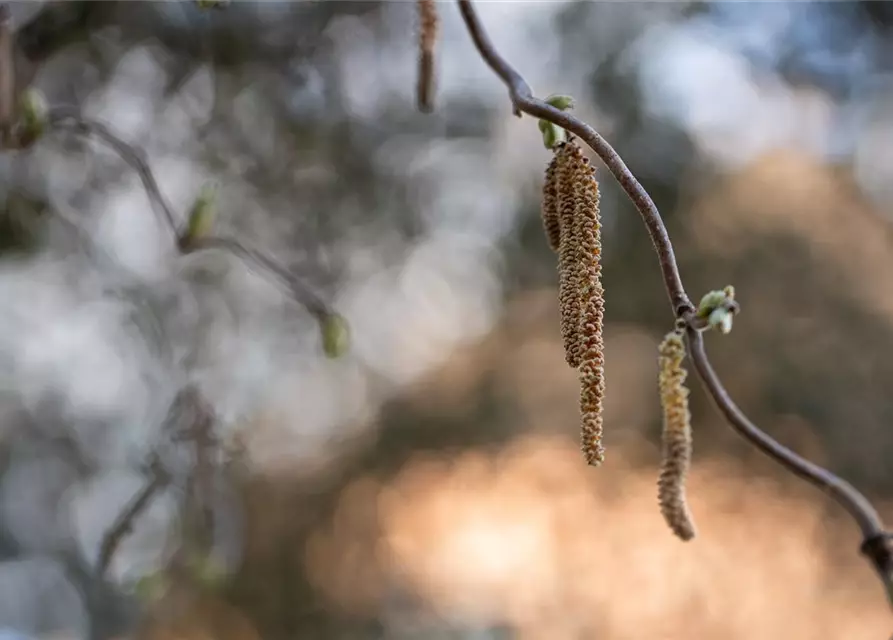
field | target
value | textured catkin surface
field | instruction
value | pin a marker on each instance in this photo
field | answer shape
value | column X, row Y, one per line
column 677, row 441
column 569, row 290
column 571, row 221
column 592, row 365
column 549, row 208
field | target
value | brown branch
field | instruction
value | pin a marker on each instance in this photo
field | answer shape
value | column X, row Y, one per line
column 428, row 28
column 854, row 502
column 876, row 543
column 523, row 101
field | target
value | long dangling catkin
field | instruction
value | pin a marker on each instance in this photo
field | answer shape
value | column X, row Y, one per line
column 570, row 203
column 428, row 31
column 549, row 207
column 570, row 298
column 592, row 365
column 677, row 444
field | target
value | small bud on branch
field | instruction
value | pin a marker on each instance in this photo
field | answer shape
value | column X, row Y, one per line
column 33, row 110
column 201, row 217
column 335, row 335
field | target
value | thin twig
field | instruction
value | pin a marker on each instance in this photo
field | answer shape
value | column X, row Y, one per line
column 300, row 291
column 200, row 433
column 876, row 543
column 854, row 502
column 123, row 524
column 70, row 119
column 428, row 28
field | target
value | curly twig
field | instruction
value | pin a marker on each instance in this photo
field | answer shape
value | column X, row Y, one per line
column 69, row 118
column 523, row 101
column 876, row 543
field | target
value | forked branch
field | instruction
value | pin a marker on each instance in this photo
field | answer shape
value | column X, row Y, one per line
column 126, row 519
column 876, row 544
column 64, row 118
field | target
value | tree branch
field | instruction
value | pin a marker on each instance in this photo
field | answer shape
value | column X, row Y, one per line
column 523, row 101
column 876, row 543
column 69, row 119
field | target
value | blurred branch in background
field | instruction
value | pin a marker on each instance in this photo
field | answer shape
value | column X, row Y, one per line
column 123, row 526
column 67, row 119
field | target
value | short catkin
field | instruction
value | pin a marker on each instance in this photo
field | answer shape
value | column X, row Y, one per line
column 549, row 207
column 677, row 441
column 428, row 31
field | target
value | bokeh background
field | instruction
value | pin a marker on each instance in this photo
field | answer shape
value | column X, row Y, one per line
column 428, row 484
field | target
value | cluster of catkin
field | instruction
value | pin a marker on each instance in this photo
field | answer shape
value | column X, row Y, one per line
column 571, row 222
column 677, row 445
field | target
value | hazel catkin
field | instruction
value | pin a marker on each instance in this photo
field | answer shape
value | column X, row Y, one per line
column 549, row 206
column 571, row 221
column 592, row 364
column 570, row 299
column 428, row 31
column 677, row 441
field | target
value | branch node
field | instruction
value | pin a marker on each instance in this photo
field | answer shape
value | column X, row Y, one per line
column 879, row 549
